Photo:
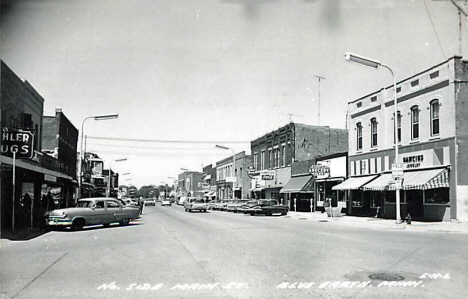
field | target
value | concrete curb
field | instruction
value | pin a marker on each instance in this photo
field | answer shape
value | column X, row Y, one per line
column 379, row 223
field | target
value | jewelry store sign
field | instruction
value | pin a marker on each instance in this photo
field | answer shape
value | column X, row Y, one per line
column 17, row 142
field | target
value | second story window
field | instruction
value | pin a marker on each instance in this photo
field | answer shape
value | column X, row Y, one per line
column 262, row 160
column 373, row 132
column 283, row 155
column 414, row 122
column 398, row 128
column 255, row 161
column 359, row 136
column 435, row 117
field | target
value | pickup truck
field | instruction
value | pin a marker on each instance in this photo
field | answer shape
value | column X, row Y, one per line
column 266, row 207
column 195, row 204
column 93, row 211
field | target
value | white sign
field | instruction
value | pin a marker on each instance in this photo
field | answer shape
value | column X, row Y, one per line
column 397, row 170
column 320, row 171
column 231, row 179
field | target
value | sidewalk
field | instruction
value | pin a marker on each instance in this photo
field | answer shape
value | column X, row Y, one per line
column 23, row 234
column 380, row 223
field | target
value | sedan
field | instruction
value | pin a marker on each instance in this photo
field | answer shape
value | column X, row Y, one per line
column 150, row 202
column 166, row 202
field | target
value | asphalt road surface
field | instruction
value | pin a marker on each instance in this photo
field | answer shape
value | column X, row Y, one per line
column 169, row 253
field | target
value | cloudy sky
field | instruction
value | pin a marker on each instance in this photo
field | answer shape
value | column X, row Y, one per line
column 185, row 75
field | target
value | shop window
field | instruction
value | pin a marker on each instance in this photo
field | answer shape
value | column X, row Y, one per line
column 357, row 198
column 414, row 122
column 435, row 117
column 437, row 196
column 373, row 132
column 359, row 135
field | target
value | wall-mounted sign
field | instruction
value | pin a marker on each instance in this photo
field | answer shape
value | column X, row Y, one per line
column 17, row 141
column 320, row 171
column 267, row 175
column 252, row 171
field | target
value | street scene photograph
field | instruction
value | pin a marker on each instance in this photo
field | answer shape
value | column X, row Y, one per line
column 234, row 149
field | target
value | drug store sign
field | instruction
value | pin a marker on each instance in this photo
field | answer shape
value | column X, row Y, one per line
column 17, row 142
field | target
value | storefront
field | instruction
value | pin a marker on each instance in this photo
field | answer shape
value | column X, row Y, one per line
column 300, row 192
column 424, row 194
column 353, row 195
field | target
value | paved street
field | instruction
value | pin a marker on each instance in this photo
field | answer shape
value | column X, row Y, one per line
column 169, row 253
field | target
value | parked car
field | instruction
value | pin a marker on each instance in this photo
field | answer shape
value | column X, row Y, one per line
column 212, row 204
column 150, row 202
column 235, row 205
column 195, row 204
column 166, row 202
column 249, row 204
column 267, row 207
column 221, row 205
column 93, row 211
column 181, row 200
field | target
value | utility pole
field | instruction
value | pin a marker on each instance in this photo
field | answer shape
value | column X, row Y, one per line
column 319, row 80
column 461, row 10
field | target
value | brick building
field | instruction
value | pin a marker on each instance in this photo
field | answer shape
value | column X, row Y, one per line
column 59, row 140
column 432, row 135
column 22, row 195
column 275, row 152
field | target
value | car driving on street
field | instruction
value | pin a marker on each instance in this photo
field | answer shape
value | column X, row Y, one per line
column 195, row 204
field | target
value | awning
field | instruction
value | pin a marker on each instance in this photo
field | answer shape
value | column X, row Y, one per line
column 207, row 177
column 354, row 183
column 257, row 189
column 425, row 179
column 379, row 184
column 300, row 184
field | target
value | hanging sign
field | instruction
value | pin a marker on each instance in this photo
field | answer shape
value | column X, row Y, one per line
column 17, row 141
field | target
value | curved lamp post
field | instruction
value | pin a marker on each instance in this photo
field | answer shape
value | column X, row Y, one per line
column 234, row 183
column 80, row 167
column 110, row 174
column 376, row 64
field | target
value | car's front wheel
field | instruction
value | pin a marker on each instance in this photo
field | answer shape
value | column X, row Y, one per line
column 78, row 224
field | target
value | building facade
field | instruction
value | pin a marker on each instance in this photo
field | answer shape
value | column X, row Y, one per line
column 230, row 178
column 189, row 184
column 60, row 140
column 23, row 198
column 432, row 142
column 274, row 153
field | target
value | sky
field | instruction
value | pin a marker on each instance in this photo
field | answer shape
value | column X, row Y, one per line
column 185, row 75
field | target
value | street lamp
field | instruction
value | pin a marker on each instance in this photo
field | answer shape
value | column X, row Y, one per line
column 110, row 174
column 80, row 168
column 234, row 183
column 165, row 189
column 376, row 64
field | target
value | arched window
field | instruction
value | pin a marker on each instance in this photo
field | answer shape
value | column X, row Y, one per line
column 373, row 132
column 435, row 130
column 414, row 122
column 359, row 136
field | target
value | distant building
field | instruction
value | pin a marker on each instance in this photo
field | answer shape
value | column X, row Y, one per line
column 230, row 179
column 189, row 184
column 432, row 130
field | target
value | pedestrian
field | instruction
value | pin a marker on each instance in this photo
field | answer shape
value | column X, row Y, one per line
column 141, row 205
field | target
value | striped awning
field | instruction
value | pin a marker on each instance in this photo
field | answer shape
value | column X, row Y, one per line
column 300, row 184
column 425, row 179
column 379, row 184
column 354, row 183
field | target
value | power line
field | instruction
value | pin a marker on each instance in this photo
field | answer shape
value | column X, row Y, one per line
column 154, row 148
column 435, row 31
column 167, row 141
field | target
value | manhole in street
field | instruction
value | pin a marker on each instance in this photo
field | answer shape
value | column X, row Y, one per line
column 386, row 277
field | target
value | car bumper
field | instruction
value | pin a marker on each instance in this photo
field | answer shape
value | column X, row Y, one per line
column 59, row 222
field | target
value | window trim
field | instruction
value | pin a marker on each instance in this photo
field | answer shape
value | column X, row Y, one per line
column 433, row 104
column 374, row 132
column 359, row 136
column 414, row 112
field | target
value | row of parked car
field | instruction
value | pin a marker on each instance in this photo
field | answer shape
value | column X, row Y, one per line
column 253, row 207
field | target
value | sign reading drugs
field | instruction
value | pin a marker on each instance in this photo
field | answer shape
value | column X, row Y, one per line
column 17, row 141
column 320, row 171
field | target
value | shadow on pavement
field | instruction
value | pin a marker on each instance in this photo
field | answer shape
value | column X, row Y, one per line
column 23, row 234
